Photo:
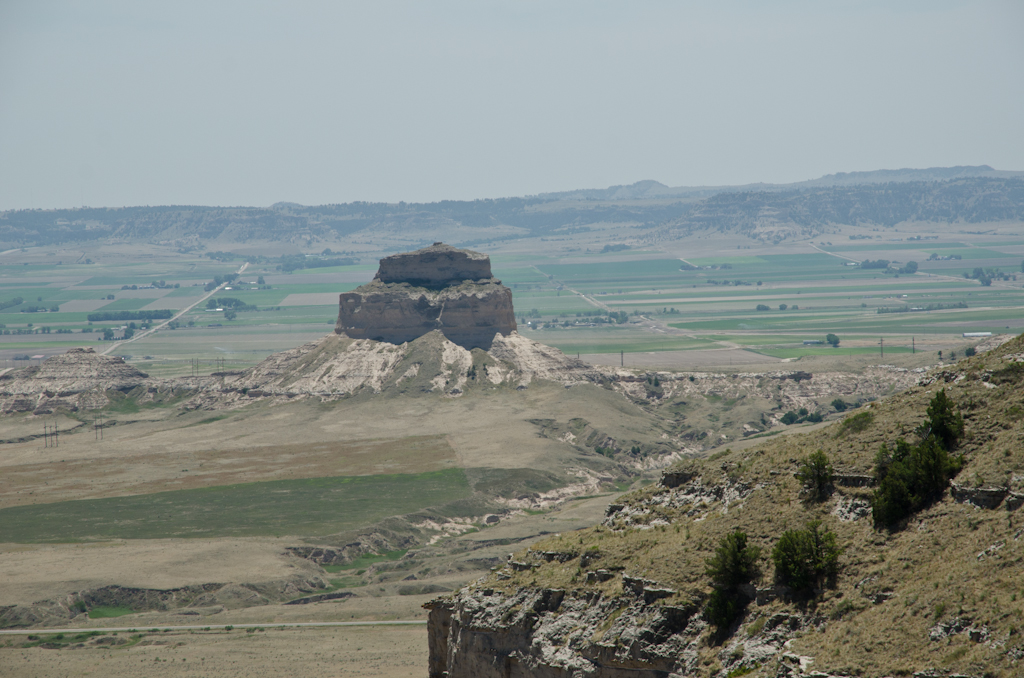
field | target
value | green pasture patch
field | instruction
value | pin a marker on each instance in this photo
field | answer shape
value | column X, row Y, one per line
column 718, row 261
column 977, row 253
column 132, row 305
column 12, row 320
column 186, row 292
column 109, row 612
column 607, row 272
column 366, row 560
column 879, row 246
column 74, row 293
column 765, row 339
column 349, row 582
column 313, row 506
column 30, row 295
column 116, row 281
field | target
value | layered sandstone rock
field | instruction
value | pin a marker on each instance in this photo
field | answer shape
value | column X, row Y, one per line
column 437, row 265
column 74, row 380
column 336, row 366
column 435, row 288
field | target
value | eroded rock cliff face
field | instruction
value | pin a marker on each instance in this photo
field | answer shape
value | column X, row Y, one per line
column 337, row 366
column 551, row 633
column 435, row 288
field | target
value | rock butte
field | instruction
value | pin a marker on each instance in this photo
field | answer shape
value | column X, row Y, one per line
column 436, row 288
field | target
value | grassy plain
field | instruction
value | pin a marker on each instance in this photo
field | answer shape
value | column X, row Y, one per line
column 306, row 507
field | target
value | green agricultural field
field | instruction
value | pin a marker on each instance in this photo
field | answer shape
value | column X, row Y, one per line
column 557, row 285
column 103, row 612
column 315, row 506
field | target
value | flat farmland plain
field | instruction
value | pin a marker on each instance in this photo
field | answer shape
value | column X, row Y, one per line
column 689, row 295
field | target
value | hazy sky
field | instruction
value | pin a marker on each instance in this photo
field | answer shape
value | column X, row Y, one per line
column 108, row 103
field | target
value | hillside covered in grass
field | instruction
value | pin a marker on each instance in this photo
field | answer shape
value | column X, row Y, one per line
column 889, row 543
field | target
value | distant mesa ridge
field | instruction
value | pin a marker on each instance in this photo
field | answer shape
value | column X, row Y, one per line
column 436, row 288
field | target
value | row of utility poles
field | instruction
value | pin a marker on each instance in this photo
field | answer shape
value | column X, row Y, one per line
column 881, row 345
column 51, row 433
column 195, row 362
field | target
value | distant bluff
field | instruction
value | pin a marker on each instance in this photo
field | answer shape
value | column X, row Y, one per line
column 436, row 288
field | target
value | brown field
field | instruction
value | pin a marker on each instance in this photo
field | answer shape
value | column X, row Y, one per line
column 383, row 652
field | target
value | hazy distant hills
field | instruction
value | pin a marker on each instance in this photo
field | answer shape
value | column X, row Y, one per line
column 650, row 189
column 884, row 198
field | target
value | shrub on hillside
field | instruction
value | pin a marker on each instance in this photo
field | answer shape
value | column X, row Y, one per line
column 944, row 422
column 733, row 565
column 910, row 478
column 857, row 423
column 807, row 559
column 815, row 474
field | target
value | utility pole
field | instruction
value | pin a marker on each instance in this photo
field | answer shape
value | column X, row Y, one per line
column 56, row 435
column 881, row 344
column 913, row 347
column 622, row 358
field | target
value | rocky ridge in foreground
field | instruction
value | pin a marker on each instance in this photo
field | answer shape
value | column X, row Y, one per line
column 936, row 594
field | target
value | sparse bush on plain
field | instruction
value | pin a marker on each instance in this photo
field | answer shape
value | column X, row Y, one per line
column 839, row 405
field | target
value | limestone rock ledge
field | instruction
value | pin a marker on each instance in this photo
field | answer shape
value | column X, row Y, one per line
column 435, row 288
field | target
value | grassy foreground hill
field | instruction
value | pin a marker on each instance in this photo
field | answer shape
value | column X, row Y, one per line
column 938, row 593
